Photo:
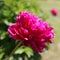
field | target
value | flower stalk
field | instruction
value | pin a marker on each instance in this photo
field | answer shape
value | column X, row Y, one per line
column 17, row 46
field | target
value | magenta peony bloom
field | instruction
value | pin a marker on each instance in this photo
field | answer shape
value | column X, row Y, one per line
column 54, row 12
column 32, row 31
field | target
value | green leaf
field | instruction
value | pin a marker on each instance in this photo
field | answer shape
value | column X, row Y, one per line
column 19, row 50
column 28, row 51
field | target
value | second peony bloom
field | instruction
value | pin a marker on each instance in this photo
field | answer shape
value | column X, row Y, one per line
column 54, row 12
column 32, row 31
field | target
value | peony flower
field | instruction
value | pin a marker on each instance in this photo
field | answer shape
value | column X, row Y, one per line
column 32, row 31
column 54, row 12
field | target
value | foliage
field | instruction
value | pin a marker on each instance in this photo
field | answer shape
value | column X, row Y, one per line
column 9, row 9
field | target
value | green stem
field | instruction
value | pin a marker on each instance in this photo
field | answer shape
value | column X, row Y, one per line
column 17, row 46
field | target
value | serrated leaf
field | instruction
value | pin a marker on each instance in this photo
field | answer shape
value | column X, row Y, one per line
column 28, row 51
column 19, row 50
column 3, row 35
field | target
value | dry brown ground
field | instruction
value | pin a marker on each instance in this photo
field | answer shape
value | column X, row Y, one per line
column 54, row 52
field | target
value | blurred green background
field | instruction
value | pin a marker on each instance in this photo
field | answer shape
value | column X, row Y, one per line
column 9, row 9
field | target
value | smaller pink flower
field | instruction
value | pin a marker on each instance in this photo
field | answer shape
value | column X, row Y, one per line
column 54, row 12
